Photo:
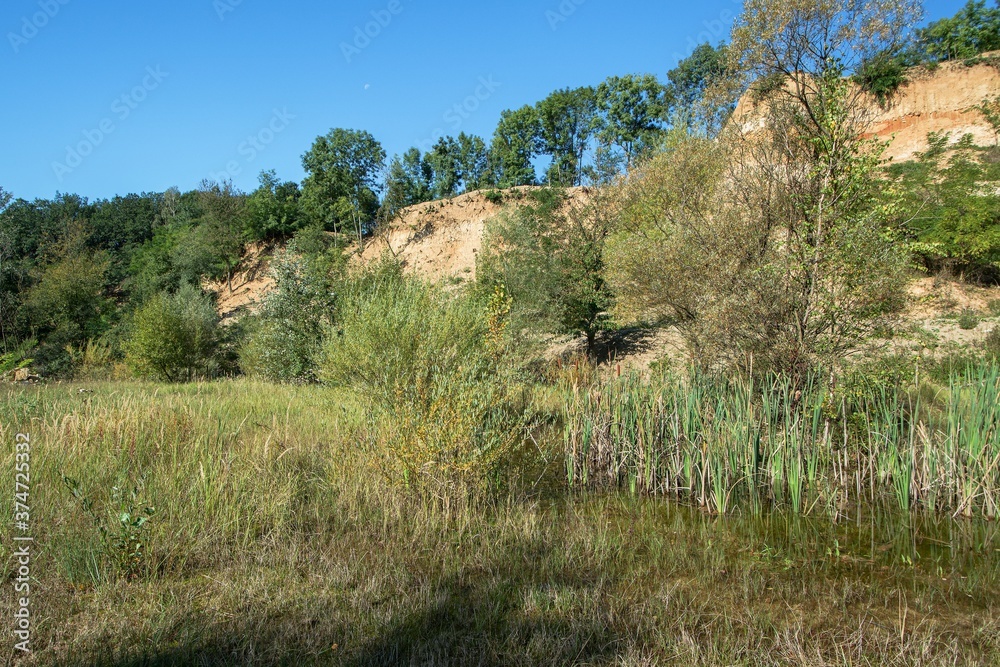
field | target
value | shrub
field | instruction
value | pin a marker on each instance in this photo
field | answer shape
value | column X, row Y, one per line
column 721, row 237
column 17, row 358
column 883, row 75
column 174, row 337
column 552, row 263
column 445, row 390
column 494, row 196
column 992, row 344
column 123, row 527
column 286, row 336
column 93, row 361
column 968, row 319
column 994, row 307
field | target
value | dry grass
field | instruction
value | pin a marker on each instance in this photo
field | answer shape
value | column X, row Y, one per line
column 273, row 543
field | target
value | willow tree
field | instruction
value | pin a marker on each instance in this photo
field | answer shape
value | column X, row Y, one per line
column 788, row 254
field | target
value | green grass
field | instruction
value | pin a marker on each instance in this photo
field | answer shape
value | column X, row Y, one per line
column 276, row 542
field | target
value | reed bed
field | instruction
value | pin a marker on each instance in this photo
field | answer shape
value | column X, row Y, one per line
column 743, row 444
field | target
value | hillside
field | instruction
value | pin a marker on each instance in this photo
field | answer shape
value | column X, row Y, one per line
column 440, row 240
column 942, row 99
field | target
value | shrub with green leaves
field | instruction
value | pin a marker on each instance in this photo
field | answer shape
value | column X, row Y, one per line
column 968, row 319
column 951, row 206
column 549, row 256
column 446, row 393
column 285, row 337
column 123, row 526
column 174, row 337
column 991, row 345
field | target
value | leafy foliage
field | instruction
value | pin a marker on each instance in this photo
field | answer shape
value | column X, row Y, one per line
column 515, row 144
column 273, row 210
column 566, row 121
column 690, row 82
column 286, row 336
column 634, row 111
column 123, row 528
column 975, row 29
column 342, row 167
column 952, row 207
column 449, row 399
column 174, row 337
column 550, row 262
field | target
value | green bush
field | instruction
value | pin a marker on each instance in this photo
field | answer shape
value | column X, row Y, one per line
column 968, row 319
column 285, row 337
column 494, row 196
column 174, row 337
column 17, row 358
column 442, row 382
column 883, row 75
column 992, row 344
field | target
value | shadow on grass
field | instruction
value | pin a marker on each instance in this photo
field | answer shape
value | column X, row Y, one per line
column 520, row 606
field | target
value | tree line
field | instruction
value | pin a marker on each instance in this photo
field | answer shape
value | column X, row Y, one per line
column 75, row 271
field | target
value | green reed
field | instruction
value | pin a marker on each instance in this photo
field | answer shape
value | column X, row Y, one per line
column 733, row 443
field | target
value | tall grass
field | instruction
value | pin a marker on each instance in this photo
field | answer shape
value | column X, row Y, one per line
column 739, row 443
column 273, row 544
column 445, row 393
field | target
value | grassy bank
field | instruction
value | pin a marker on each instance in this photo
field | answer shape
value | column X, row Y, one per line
column 274, row 542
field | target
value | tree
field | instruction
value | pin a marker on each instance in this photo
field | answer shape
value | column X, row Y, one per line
column 174, row 337
column 444, row 161
column 952, row 207
column 67, row 305
column 515, row 144
column 286, row 335
column 272, row 210
column 473, row 162
column 221, row 229
column 634, row 111
column 8, row 293
column 774, row 247
column 408, row 182
column 551, row 263
column 566, row 122
column 972, row 31
column 342, row 182
column 121, row 225
column 691, row 80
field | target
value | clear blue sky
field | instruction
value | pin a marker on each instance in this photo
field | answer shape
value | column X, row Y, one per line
column 200, row 77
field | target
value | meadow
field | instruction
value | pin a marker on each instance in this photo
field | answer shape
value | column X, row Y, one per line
column 270, row 537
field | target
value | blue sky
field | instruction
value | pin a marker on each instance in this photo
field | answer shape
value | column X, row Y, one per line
column 114, row 97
